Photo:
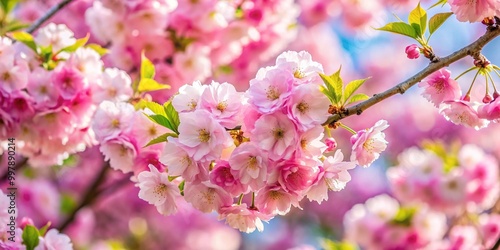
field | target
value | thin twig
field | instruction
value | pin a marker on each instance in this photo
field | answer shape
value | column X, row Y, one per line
column 473, row 50
column 48, row 15
column 88, row 197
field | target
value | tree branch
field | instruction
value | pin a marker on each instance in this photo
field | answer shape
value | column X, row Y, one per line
column 473, row 50
column 48, row 15
column 89, row 196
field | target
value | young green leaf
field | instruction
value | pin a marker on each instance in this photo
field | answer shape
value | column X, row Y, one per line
column 44, row 229
column 147, row 68
column 79, row 43
column 8, row 5
column 25, row 38
column 147, row 84
column 153, row 106
column 400, row 28
column 358, row 98
column 418, row 17
column 30, row 237
column 172, row 115
column 160, row 139
column 442, row 2
column 97, row 48
column 13, row 26
column 334, row 85
column 161, row 120
column 351, row 87
column 437, row 20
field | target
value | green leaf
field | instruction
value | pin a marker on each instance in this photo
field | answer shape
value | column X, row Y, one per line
column 328, row 244
column 334, row 85
column 25, row 38
column 181, row 187
column 161, row 120
column 147, row 68
column 351, row 87
column 400, row 28
column 8, row 5
column 147, row 84
column 404, row 216
column 358, row 98
column 46, row 53
column 418, row 17
column 437, row 20
column 172, row 115
column 30, row 237
column 153, row 106
column 44, row 229
column 442, row 2
column 68, row 203
column 160, row 139
column 13, row 26
column 79, row 43
column 97, row 48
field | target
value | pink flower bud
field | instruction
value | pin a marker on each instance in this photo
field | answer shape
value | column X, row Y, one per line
column 331, row 144
column 412, row 51
column 26, row 221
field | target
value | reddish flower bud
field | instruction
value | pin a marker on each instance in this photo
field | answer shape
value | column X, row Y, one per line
column 487, row 98
column 412, row 51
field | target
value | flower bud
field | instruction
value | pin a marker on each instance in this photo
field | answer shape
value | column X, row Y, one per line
column 331, row 144
column 412, row 51
column 487, row 98
column 26, row 221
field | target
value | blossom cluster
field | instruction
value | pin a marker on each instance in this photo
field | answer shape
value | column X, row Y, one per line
column 383, row 223
column 276, row 156
column 52, row 239
column 449, row 183
column 444, row 92
column 48, row 106
column 475, row 11
column 194, row 40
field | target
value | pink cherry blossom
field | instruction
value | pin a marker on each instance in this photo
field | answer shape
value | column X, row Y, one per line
column 111, row 119
column 412, row 51
column 274, row 199
column 188, row 97
column 202, row 136
column 56, row 35
column 223, row 102
column 244, row 218
column 145, row 130
column 439, row 87
column 68, row 81
column 310, row 143
column 206, row 196
column 301, row 66
column 53, row 240
column 368, row 144
column 41, row 89
column 308, row 107
column 276, row 134
column 249, row 164
column 474, row 11
column 331, row 144
column 490, row 111
column 333, row 175
column 463, row 113
column 270, row 90
column 13, row 77
column 115, row 86
column 221, row 175
column 295, row 175
column 120, row 151
column 157, row 190
column 179, row 162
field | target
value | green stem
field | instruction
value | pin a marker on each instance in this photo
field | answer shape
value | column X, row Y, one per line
column 328, row 132
column 467, row 71
column 240, row 199
column 472, row 84
column 347, row 128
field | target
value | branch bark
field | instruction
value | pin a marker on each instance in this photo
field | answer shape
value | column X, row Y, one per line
column 473, row 50
column 48, row 15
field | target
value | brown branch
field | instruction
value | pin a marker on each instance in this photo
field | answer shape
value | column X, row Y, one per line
column 473, row 50
column 52, row 11
column 88, row 198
